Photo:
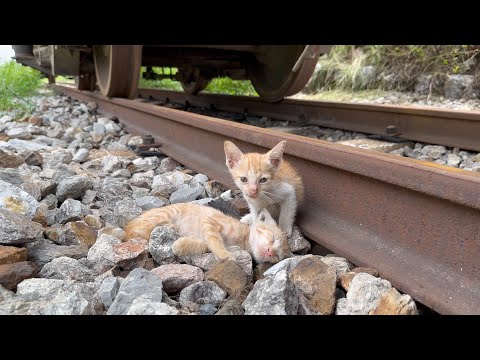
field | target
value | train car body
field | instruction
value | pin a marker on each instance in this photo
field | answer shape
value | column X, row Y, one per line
column 275, row 71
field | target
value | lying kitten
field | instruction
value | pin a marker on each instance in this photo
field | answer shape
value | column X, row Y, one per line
column 266, row 181
column 203, row 228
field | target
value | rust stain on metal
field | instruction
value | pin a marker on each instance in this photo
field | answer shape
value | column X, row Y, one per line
column 445, row 127
column 419, row 225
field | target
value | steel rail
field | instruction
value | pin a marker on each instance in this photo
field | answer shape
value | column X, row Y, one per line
column 417, row 222
column 444, row 127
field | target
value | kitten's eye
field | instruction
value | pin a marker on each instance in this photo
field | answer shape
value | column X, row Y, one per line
column 243, row 179
column 263, row 180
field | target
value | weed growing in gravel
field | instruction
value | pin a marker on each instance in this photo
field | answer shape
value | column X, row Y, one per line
column 17, row 84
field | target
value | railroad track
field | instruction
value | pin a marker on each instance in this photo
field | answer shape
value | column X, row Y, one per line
column 417, row 222
column 444, row 127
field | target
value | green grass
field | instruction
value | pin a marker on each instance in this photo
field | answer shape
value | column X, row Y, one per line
column 216, row 86
column 17, row 84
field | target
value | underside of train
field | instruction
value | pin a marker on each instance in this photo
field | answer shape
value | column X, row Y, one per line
column 276, row 71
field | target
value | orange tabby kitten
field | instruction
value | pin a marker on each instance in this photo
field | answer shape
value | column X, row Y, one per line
column 267, row 181
column 204, row 228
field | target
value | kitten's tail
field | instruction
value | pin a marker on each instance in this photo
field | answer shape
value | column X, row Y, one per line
column 142, row 226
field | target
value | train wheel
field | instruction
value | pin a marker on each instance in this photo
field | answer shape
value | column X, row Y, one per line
column 193, row 81
column 118, row 69
column 274, row 75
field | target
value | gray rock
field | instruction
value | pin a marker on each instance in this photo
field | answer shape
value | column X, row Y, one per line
column 160, row 245
column 231, row 307
column 101, row 254
column 33, row 158
column 121, row 173
column 297, row 243
column 14, row 199
column 73, row 187
column 199, row 180
column 42, row 252
column 144, row 305
column 11, row 176
column 143, row 164
column 135, row 140
column 166, row 165
column 342, row 307
column 89, row 197
column 111, row 163
column 6, row 294
column 207, row 309
column 434, row 151
column 203, row 292
column 108, row 290
column 70, row 210
column 422, row 85
column 22, row 145
column 453, row 160
column 149, row 202
column 66, row 268
column 16, row 229
column 81, row 156
column 19, row 133
column 186, row 193
column 226, row 196
column 274, row 295
column 208, row 260
column 286, row 264
column 139, row 283
column 175, row 277
column 51, row 296
column 364, row 294
column 340, row 264
column 456, row 85
column 126, row 210
column 204, row 201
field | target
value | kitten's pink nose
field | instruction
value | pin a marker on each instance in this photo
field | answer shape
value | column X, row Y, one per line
column 252, row 191
column 268, row 252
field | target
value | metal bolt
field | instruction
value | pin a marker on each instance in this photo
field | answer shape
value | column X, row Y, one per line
column 147, row 139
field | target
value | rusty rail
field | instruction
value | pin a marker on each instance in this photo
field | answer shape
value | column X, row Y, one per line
column 418, row 223
column 445, row 127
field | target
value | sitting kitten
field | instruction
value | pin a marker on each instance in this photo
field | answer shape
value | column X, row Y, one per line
column 266, row 181
column 203, row 228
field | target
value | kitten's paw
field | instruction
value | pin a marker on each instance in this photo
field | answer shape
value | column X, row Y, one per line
column 227, row 256
column 247, row 219
column 289, row 232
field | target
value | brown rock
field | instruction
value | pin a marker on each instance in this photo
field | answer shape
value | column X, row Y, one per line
column 241, row 206
column 4, row 137
column 12, row 254
column 131, row 254
column 13, row 274
column 35, row 120
column 175, row 277
column 213, row 188
column 345, row 279
column 93, row 221
column 84, row 233
column 260, row 269
column 317, row 281
column 34, row 159
column 52, row 233
column 231, row 307
column 113, row 231
column 100, row 153
column 231, row 278
column 10, row 160
column 393, row 303
column 40, row 218
column 370, row 271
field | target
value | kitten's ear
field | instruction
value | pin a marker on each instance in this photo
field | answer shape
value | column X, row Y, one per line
column 266, row 218
column 274, row 156
column 233, row 154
